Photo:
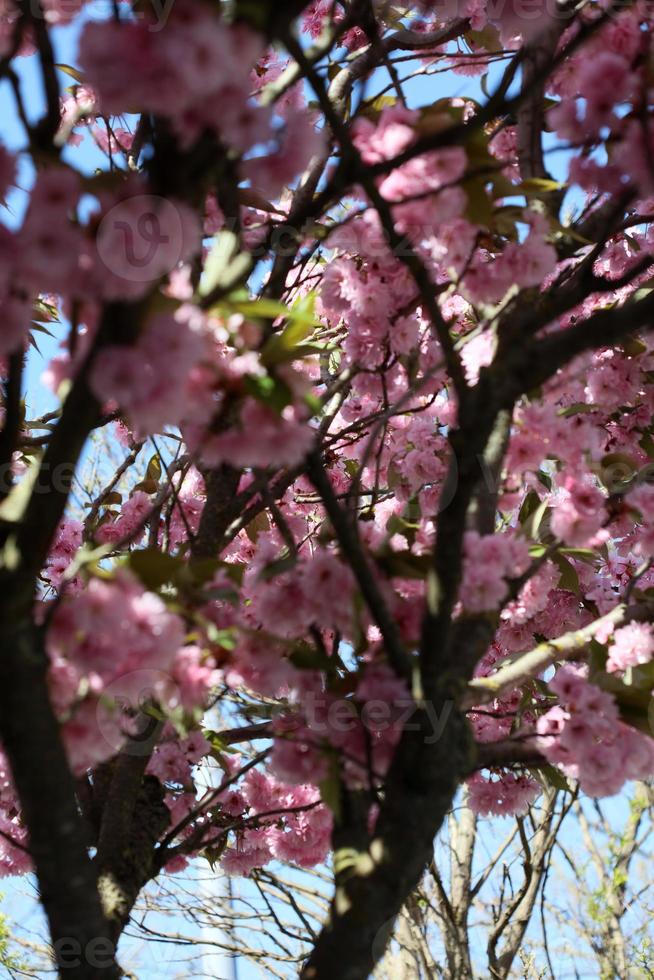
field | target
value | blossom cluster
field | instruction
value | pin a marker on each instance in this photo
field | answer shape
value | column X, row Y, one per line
column 583, row 736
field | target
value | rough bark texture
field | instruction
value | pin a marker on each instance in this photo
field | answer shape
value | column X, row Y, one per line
column 58, row 835
column 370, row 892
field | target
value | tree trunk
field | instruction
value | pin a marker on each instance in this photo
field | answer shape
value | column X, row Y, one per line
column 58, row 841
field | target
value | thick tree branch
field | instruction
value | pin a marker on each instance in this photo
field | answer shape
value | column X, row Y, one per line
column 57, row 833
column 348, row 537
column 570, row 646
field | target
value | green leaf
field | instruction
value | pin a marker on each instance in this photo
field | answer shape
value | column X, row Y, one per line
column 40, row 328
column 330, row 791
column 555, row 778
column 309, row 349
column 633, row 346
column 487, row 38
column 534, row 522
column 479, row 209
column 225, row 264
column 147, row 486
column 88, row 554
column 112, row 498
column 344, row 859
column 312, row 402
column 505, row 218
column 333, row 70
column 235, row 570
column 538, row 185
column 567, row 231
column 258, row 309
column 396, row 525
column 72, row 72
column 154, row 469
column 214, row 740
column 282, row 347
column 569, row 578
column 641, row 676
column 645, row 289
column 598, row 655
column 277, row 567
column 13, row 506
column 257, row 526
column 579, row 408
column 586, row 555
column 226, row 639
column 154, row 568
column 202, row 570
column 502, row 188
column 529, row 506
column 214, row 853
column 307, row 657
column 617, row 470
column 634, row 701
column 304, row 309
column 270, row 390
column 374, row 108
column 404, row 564
column 640, row 718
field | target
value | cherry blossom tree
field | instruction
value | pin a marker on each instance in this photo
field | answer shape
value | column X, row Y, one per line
column 369, row 516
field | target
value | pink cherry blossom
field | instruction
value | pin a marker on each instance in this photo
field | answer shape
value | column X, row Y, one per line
column 632, row 645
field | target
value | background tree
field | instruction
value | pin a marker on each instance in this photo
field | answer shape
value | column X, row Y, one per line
column 492, row 903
